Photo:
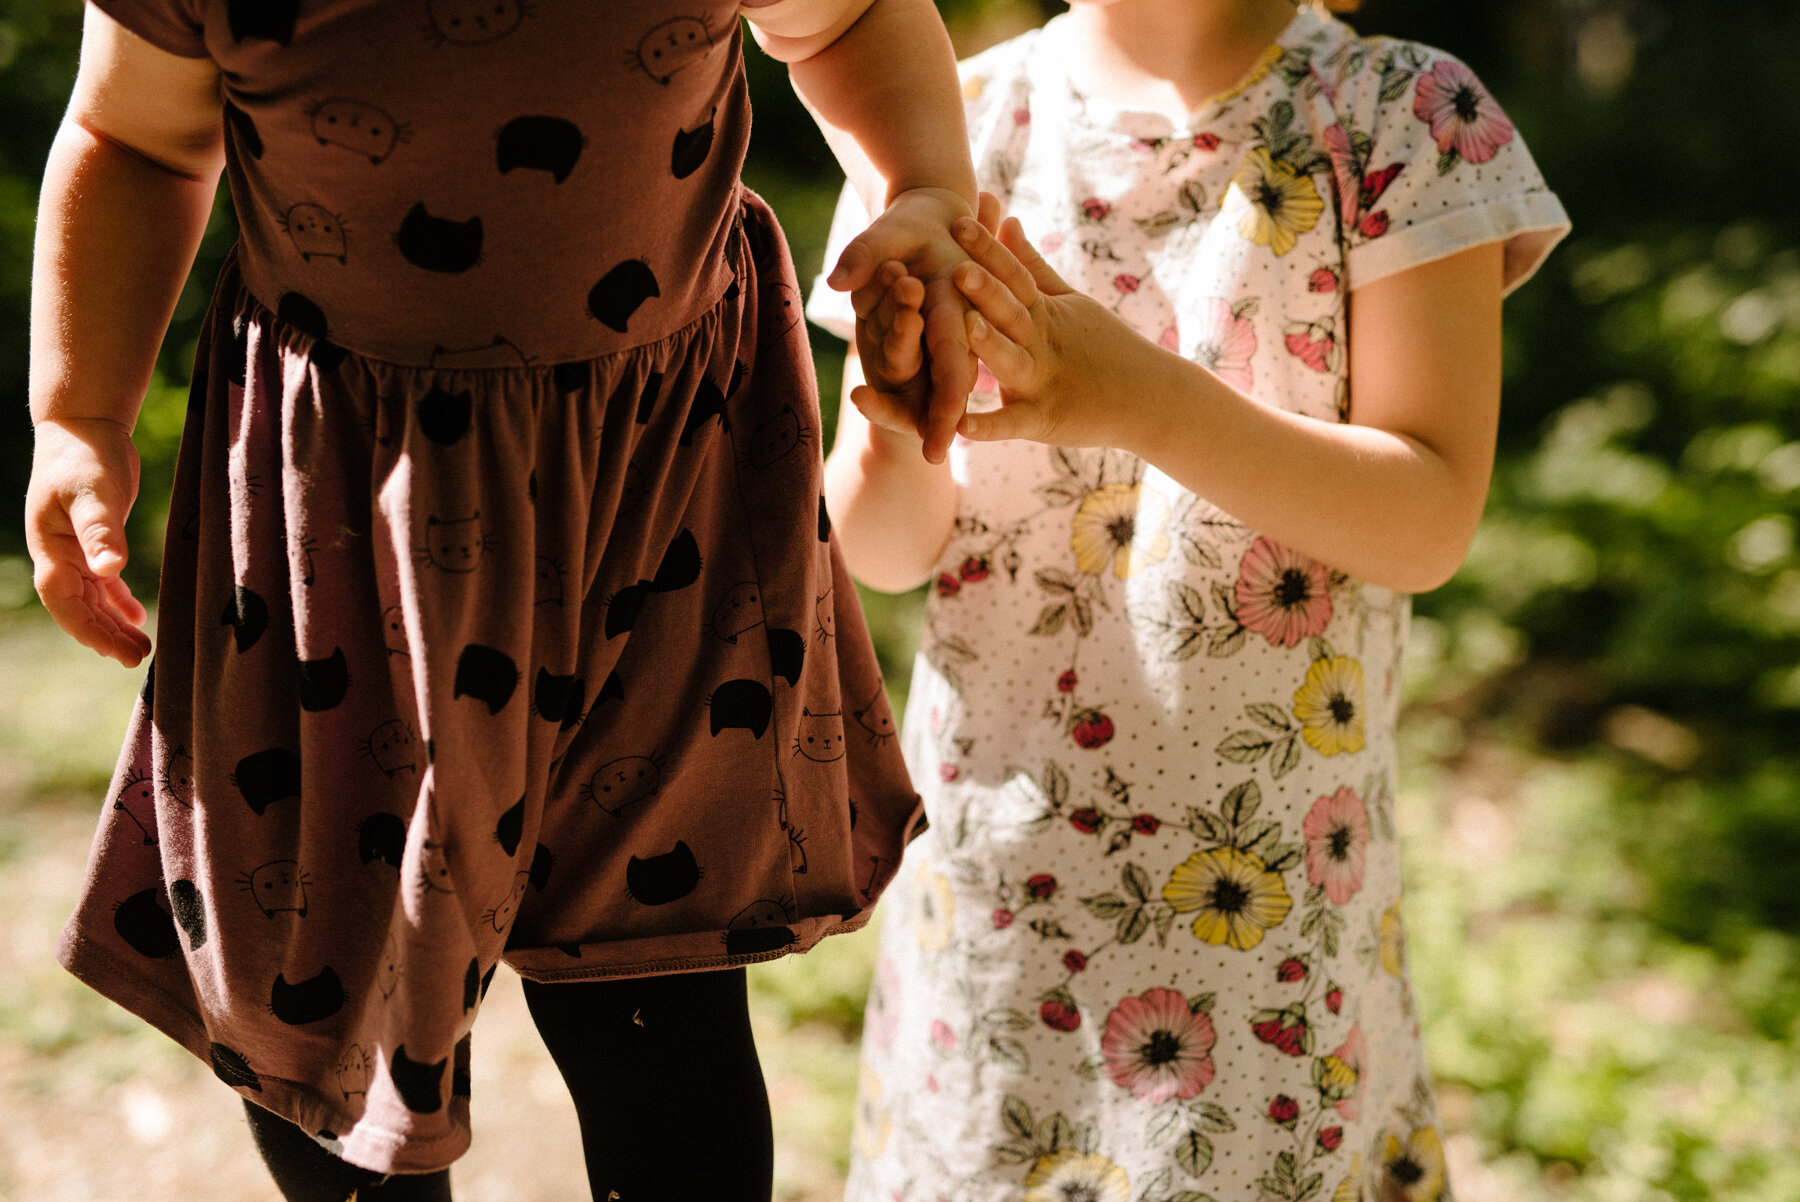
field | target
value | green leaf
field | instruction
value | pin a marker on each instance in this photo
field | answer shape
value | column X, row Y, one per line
column 1241, row 803
column 1055, row 580
column 1194, row 1153
column 1084, row 617
column 1165, row 918
column 1309, row 1187
column 1210, row 1116
column 1087, row 1136
column 1158, row 224
column 1321, row 649
column 1193, row 197
column 1091, row 1068
column 1156, row 1187
column 1273, row 1190
column 1183, row 645
column 1271, row 716
column 1225, row 599
column 1015, row 1112
column 1006, row 1020
column 1105, row 905
column 955, row 646
column 1009, row 1052
column 1243, row 747
column 1050, row 620
column 1133, row 926
column 1136, row 881
column 1056, row 783
column 1202, row 1003
column 1188, row 599
column 1015, row 1151
column 1207, row 825
column 1281, row 114
column 1056, row 1133
column 1283, row 856
column 1057, row 493
column 1163, row 1125
column 1286, row 757
column 1447, row 161
column 1285, row 1167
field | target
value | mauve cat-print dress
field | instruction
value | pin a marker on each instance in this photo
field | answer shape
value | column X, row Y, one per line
column 500, row 614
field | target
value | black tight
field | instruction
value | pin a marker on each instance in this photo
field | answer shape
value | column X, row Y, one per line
column 666, row 1084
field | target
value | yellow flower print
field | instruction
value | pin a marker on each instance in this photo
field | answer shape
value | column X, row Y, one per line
column 1330, row 705
column 1237, row 896
column 1278, row 203
column 1070, row 1174
column 1414, row 1170
column 934, row 909
column 1393, row 941
column 1122, row 525
column 872, row 1124
column 1350, row 1188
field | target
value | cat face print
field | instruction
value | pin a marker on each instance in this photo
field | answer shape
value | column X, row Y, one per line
column 740, row 609
column 547, row 589
column 825, row 608
column 353, row 1072
column 876, row 719
column 631, row 494
column 278, row 887
column 357, row 127
column 136, row 799
column 672, row 46
column 177, row 777
column 392, row 746
column 434, row 863
column 475, row 22
column 624, row 782
column 820, row 737
column 775, row 438
column 763, row 913
column 393, row 631
column 387, row 972
column 316, row 232
column 500, row 917
column 455, row 544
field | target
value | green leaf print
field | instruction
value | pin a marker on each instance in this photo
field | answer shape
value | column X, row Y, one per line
column 1165, row 918
column 1255, row 833
column 1136, row 881
column 1106, row 906
column 1050, row 620
column 1206, row 825
column 1056, row 1133
column 1284, row 856
column 1240, row 805
column 1286, row 757
column 1057, row 493
column 1009, row 1052
column 1194, row 1153
column 1133, row 926
column 1055, row 580
column 1202, row 1003
column 1015, row 1112
column 1210, row 1116
column 1309, row 1187
column 1193, row 197
column 1243, row 747
column 1016, row 1151
column 1227, row 642
column 1156, row 1187
column 1272, row 716
column 1162, row 1127
column 1006, row 1020
column 1056, row 784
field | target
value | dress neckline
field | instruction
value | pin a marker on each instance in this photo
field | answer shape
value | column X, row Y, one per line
column 1102, row 114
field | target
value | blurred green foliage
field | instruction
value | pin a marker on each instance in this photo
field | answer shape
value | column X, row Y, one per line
column 1628, row 620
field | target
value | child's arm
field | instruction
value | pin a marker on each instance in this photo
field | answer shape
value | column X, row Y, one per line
column 1393, row 498
column 127, row 192
column 880, row 78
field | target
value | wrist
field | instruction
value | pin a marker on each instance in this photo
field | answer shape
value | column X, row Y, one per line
column 957, row 197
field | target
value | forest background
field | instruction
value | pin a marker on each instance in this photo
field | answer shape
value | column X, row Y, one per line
column 1601, row 802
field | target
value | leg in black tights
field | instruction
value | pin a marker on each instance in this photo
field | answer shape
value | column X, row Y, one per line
column 306, row 1172
column 666, row 1084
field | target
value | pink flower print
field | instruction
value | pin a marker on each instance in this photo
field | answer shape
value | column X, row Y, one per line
column 1126, row 282
column 942, row 1035
column 881, row 1016
column 1157, row 1047
column 948, row 772
column 1337, row 836
column 1094, row 209
column 1225, row 342
column 1021, row 116
column 1314, row 343
column 1051, row 242
column 1281, row 594
column 1346, row 170
column 1465, row 119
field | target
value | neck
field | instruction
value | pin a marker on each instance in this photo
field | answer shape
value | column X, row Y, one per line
column 1169, row 56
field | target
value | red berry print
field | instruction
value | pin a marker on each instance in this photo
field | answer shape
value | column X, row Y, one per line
column 1206, row 141
column 1334, row 999
column 1374, row 225
column 1003, row 918
column 1042, row 886
column 1146, row 824
column 974, row 568
column 1284, row 1109
column 1059, row 1016
column 1086, row 821
column 1330, row 1138
column 948, row 585
column 1322, row 280
column 1126, row 282
column 948, row 772
column 1284, row 1030
column 1092, row 729
column 1066, row 682
column 1291, row 969
column 1094, row 209
column 1021, row 116
column 1074, row 961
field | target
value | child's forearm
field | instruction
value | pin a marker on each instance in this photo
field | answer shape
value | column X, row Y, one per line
column 1379, row 505
column 892, row 510
column 116, row 237
column 886, row 95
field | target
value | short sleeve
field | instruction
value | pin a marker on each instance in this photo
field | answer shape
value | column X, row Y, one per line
column 172, row 25
column 1437, row 168
column 825, row 308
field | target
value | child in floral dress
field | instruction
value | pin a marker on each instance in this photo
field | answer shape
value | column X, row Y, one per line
column 1152, row 947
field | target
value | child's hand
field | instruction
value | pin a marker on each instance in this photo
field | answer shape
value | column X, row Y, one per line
column 910, row 317
column 1063, row 361
column 84, row 478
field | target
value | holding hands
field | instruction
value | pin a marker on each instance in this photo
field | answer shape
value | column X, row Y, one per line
column 911, row 331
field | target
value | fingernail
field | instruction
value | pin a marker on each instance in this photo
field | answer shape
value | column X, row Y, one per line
column 970, row 424
column 964, row 230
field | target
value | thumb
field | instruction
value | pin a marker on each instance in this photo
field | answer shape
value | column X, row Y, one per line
column 855, row 267
column 1011, row 421
column 101, row 533
column 1012, row 236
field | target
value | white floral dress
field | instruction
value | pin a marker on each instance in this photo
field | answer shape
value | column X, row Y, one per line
column 1151, row 948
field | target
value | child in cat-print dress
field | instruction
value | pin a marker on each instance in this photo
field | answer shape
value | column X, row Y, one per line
column 501, row 615
column 1151, row 947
